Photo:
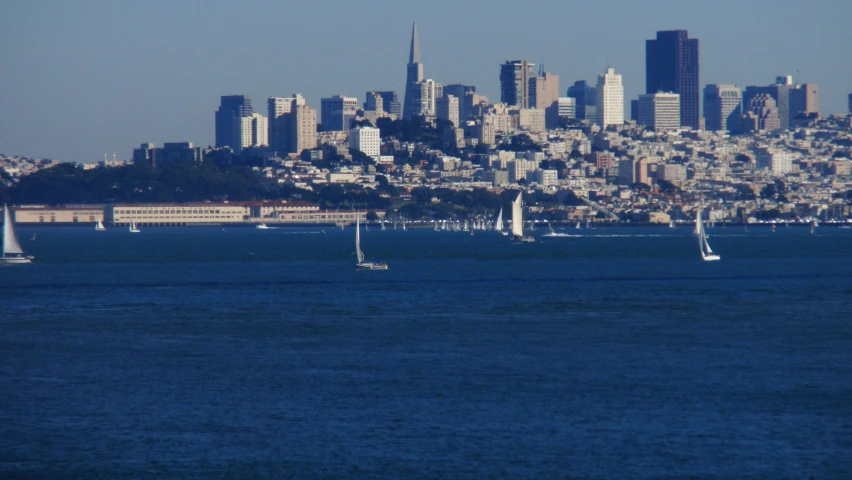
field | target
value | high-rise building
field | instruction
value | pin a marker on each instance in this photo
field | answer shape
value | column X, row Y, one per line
column 544, row 95
column 586, row 99
column 337, row 112
column 543, row 90
column 722, row 107
column 461, row 91
column 610, row 99
column 252, row 131
column 791, row 99
column 850, row 103
column 447, row 108
column 567, row 107
column 804, row 100
column 671, row 65
column 373, row 102
column 424, row 97
column 303, row 129
column 414, row 75
column 292, row 124
column 367, row 140
column 390, row 102
column 514, row 83
column 659, row 111
column 231, row 107
column 761, row 113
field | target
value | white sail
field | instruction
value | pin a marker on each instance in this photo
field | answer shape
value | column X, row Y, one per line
column 100, row 226
column 518, row 216
column 499, row 225
column 10, row 242
column 358, row 240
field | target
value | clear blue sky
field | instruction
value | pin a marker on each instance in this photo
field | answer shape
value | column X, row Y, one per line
column 82, row 78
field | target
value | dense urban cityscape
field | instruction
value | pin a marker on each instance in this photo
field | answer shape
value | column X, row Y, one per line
column 756, row 154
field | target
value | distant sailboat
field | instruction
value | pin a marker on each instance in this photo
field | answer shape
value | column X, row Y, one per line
column 403, row 225
column 132, row 227
column 383, row 225
column 706, row 252
column 362, row 264
column 671, row 224
column 12, row 253
column 99, row 226
column 518, row 221
column 554, row 233
column 577, row 226
column 499, row 225
column 262, row 226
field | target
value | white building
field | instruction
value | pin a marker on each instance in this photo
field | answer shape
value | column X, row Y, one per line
column 567, row 107
column 778, row 163
column 610, row 99
column 518, row 169
column 253, row 131
column 546, row 178
column 659, row 111
column 366, row 139
column 426, row 95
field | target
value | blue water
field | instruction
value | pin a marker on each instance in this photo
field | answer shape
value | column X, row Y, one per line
column 243, row 353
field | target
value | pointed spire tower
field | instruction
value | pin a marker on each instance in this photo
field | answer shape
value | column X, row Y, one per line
column 414, row 75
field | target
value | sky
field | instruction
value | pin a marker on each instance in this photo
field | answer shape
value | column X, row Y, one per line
column 91, row 77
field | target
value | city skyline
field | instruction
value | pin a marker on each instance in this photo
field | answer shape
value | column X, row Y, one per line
column 115, row 86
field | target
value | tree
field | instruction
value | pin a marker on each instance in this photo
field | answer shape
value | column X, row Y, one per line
column 360, row 123
column 576, row 155
column 744, row 192
column 372, row 217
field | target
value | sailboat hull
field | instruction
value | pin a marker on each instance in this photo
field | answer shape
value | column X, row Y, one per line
column 710, row 258
column 371, row 266
column 15, row 260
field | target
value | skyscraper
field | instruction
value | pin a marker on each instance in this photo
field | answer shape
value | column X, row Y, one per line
column 671, row 65
column 460, row 91
column 850, row 103
column 514, row 83
column 610, row 99
column 423, row 99
column 231, row 107
column 659, row 111
column 544, row 95
column 722, row 107
column 586, row 99
column 761, row 113
column 791, row 99
column 252, row 131
column 337, row 112
column 292, row 124
column 390, row 102
column 447, row 108
column 414, row 75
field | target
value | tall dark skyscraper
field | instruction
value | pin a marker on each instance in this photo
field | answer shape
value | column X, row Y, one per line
column 514, row 83
column 414, row 75
column 671, row 65
column 391, row 103
column 231, row 107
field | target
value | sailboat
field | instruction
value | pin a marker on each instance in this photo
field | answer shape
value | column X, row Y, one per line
column 814, row 224
column 499, row 225
column 671, row 224
column 518, row 221
column 132, row 227
column 383, row 225
column 706, row 252
column 12, row 253
column 403, row 225
column 362, row 264
column 100, row 226
column 577, row 226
